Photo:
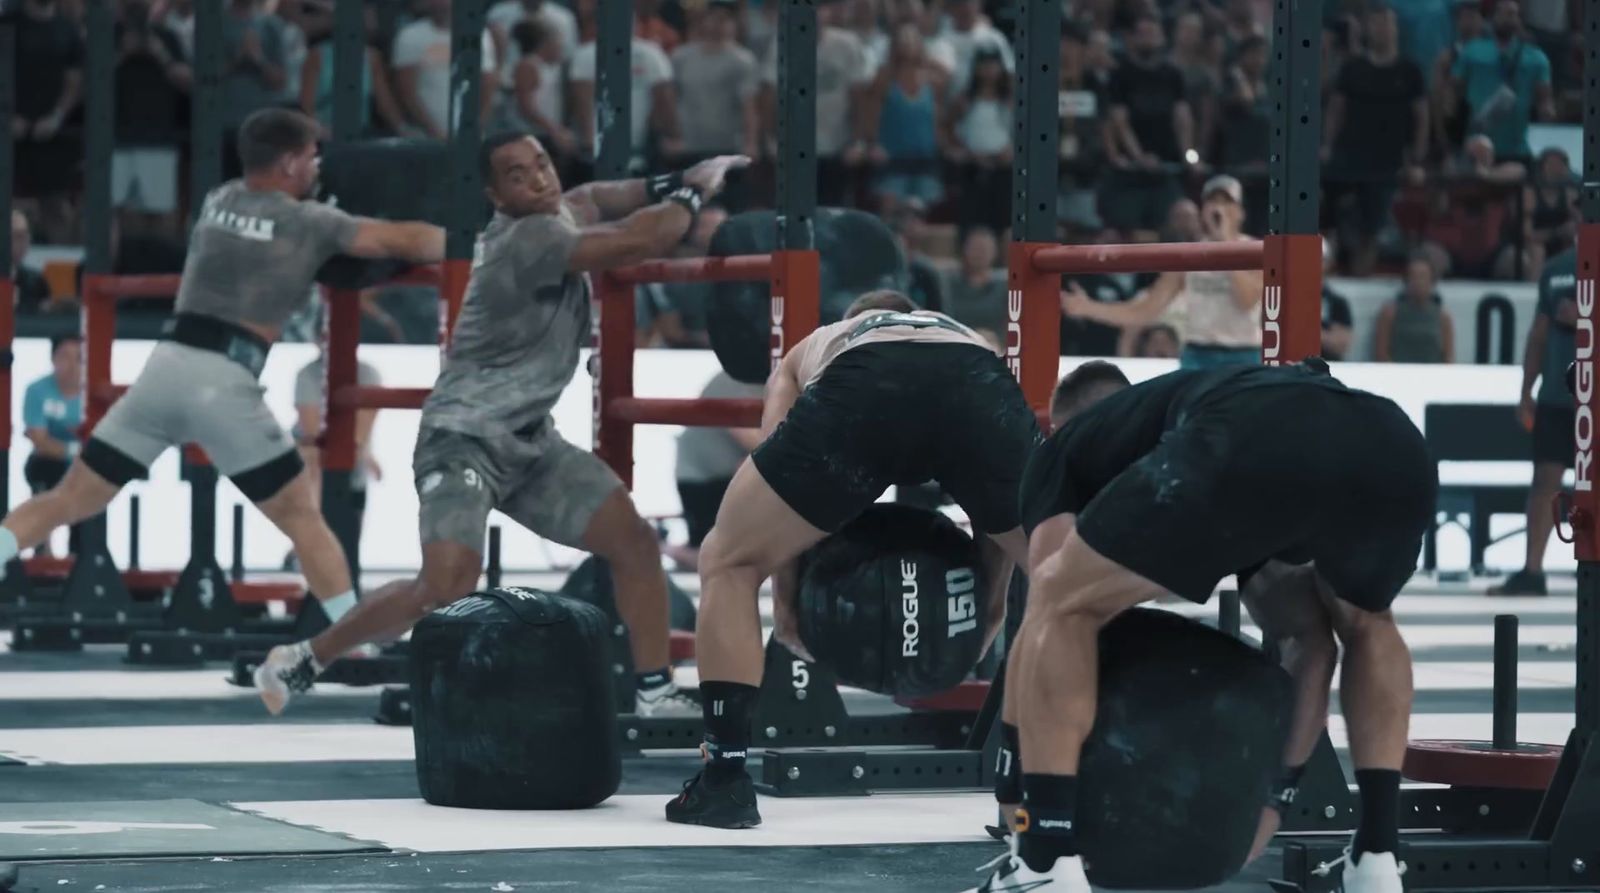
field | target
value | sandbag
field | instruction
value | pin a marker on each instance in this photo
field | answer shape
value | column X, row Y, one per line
column 894, row 602
column 591, row 582
column 857, row 253
column 389, row 179
column 512, row 705
column 1187, row 742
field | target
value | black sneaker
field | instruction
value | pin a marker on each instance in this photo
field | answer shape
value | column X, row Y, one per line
column 1521, row 583
column 731, row 804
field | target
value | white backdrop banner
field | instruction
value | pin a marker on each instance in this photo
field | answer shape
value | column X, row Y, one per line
column 389, row 541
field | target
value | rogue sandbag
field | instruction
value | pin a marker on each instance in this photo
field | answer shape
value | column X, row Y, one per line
column 1187, row 742
column 512, row 705
column 388, row 179
column 856, row 253
column 894, row 602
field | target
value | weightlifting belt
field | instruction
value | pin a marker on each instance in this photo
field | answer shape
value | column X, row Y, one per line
column 209, row 333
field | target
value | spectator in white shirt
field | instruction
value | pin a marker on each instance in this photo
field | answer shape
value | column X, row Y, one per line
column 422, row 71
column 966, row 31
column 653, row 99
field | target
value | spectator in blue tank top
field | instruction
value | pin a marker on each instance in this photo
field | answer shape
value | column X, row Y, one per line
column 908, row 91
column 377, row 95
column 52, row 411
column 1507, row 82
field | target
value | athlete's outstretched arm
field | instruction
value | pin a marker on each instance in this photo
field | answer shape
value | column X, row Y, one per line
column 420, row 243
column 644, row 234
column 605, row 200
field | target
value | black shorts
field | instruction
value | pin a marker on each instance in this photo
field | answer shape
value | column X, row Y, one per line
column 1553, row 437
column 1342, row 479
column 904, row 413
column 43, row 473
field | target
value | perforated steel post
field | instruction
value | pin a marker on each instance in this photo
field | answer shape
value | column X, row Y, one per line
column 468, row 206
column 796, row 268
column 1033, row 307
column 206, row 109
column 99, row 114
column 8, row 313
column 348, row 58
column 1291, row 304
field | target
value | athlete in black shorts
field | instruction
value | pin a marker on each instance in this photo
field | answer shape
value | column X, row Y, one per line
column 890, row 395
column 1317, row 495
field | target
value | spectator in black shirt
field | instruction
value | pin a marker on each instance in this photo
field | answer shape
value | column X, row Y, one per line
column 31, row 291
column 1336, row 319
column 1150, row 134
column 49, row 86
column 153, row 81
column 1192, row 56
column 1376, row 124
column 1080, row 104
column 1246, row 108
column 1550, row 216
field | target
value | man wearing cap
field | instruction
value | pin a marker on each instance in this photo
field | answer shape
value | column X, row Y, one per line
column 1217, row 314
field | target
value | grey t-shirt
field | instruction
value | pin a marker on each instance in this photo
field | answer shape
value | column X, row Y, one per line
column 713, row 85
column 522, row 325
column 252, row 254
column 308, row 392
column 711, row 454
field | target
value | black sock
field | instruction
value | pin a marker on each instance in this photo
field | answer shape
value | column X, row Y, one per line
column 653, row 679
column 1379, row 830
column 1051, row 804
column 726, row 707
column 1008, row 770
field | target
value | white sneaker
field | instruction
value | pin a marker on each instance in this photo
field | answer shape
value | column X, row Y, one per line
column 1368, row 873
column 287, row 671
column 1012, row 875
column 666, row 700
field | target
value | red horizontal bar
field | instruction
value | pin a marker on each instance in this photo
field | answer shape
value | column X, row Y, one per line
column 1174, row 257
column 117, row 288
column 700, row 412
column 366, row 397
column 739, row 268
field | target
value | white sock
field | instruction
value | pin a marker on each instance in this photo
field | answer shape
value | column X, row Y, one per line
column 8, row 547
column 339, row 605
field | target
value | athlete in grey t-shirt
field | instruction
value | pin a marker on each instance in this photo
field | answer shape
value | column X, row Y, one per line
column 256, row 246
column 487, row 441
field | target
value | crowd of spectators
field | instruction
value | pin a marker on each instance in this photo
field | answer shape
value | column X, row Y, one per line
column 1428, row 166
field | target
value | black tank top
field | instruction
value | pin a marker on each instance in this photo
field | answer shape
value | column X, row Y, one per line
column 1550, row 215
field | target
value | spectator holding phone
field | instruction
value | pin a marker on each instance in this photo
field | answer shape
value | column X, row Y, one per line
column 1506, row 81
column 1222, row 310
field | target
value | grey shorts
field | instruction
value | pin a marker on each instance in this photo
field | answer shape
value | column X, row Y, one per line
column 539, row 481
column 188, row 395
